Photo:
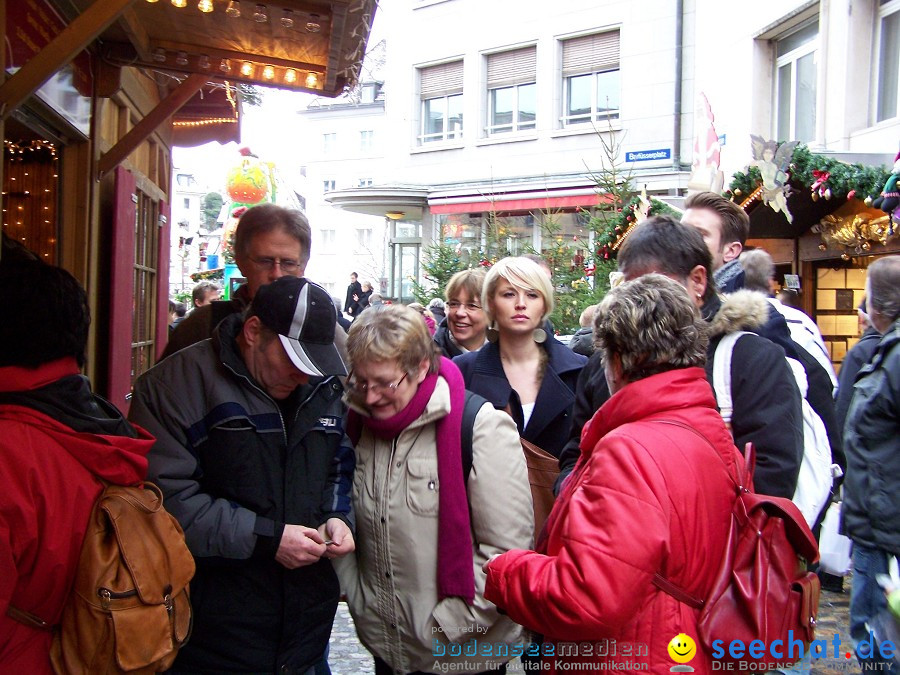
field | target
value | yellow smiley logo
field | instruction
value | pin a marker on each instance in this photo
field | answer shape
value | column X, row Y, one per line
column 682, row 648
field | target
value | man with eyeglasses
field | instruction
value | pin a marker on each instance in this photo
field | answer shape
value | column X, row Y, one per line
column 253, row 461
column 270, row 242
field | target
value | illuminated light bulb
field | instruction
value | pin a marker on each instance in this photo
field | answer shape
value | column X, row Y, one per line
column 159, row 55
column 247, row 69
column 287, row 19
column 313, row 25
column 205, row 6
column 312, row 80
column 181, row 59
column 268, row 73
column 234, row 9
column 181, row 4
column 203, row 61
column 260, row 16
column 290, row 76
column 225, row 66
column 152, row 1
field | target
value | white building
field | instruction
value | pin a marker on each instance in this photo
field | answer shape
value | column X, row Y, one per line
column 501, row 108
column 342, row 145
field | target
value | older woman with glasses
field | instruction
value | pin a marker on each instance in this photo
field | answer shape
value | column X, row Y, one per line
column 464, row 328
column 651, row 493
column 424, row 523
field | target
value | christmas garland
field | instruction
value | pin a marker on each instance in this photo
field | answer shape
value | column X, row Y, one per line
column 823, row 176
column 612, row 229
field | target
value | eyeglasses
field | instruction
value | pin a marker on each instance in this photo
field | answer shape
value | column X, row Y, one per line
column 362, row 387
column 453, row 305
column 287, row 266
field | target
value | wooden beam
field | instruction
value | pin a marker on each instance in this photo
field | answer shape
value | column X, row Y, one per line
column 139, row 133
column 136, row 33
column 62, row 49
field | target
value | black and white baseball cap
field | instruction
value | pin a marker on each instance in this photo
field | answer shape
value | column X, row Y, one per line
column 303, row 315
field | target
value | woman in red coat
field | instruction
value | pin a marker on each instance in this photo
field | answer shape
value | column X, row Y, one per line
column 651, row 493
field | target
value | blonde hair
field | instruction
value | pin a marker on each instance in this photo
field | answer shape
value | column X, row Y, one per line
column 652, row 325
column 468, row 281
column 392, row 333
column 521, row 273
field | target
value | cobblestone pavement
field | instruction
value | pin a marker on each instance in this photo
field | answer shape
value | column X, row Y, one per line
column 349, row 657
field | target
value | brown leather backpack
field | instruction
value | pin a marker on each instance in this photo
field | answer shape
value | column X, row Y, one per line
column 129, row 609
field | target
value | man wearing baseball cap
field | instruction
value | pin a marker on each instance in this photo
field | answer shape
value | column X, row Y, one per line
column 253, row 462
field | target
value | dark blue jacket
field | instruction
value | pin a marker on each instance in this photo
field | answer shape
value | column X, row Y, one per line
column 551, row 420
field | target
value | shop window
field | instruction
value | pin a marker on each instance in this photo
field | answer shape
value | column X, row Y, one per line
column 30, row 186
column 888, row 66
column 796, row 75
column 512, row 91
column 440, row 88
column 591, row 83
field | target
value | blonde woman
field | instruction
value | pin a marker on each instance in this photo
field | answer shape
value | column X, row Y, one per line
column 424, row 526
column 522, row 369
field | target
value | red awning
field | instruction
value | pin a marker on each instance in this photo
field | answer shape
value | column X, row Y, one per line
column 532, row 204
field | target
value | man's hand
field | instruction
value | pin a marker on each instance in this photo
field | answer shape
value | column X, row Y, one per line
column 338, row 538
column 299, row 546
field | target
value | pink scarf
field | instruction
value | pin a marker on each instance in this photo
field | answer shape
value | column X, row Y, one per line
column 455, row 574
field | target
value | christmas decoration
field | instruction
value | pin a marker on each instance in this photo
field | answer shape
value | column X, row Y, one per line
column 705, row 174
column 855, row 227
column 819, row 188
column 772, row 161
column 250, row 181
column 889, row 200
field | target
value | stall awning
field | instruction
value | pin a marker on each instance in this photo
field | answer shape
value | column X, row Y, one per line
column 213, row 114
column 524, row 204
column 765, row 223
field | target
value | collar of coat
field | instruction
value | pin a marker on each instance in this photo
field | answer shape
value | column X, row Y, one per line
column 741, row 310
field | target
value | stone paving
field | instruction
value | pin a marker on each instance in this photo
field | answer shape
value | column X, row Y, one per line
column 349, row 657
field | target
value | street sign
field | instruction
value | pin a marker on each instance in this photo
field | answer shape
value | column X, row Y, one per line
column 648, row 155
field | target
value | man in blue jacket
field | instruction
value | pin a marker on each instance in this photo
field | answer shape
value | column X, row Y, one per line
column 253, row 461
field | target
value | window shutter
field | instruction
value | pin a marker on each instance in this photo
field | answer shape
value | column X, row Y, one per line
column 589, row 53
column 445, row 78
column 512, row 67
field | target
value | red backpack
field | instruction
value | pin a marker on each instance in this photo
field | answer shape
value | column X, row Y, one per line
column 762, row 590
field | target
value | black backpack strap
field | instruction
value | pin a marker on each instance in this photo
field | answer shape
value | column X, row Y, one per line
column 474, row 402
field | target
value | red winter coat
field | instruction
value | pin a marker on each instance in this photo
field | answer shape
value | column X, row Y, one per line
column 645, row 497
column 47, row 489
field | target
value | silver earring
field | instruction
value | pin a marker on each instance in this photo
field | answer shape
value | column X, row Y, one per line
column 539, row 335
column 492, row 334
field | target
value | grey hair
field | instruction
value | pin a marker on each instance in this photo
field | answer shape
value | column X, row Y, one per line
column 652, row 325
column 392, row 333
column 884, row 287
column 759, row 270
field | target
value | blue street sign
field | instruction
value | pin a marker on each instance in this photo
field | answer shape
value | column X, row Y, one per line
column 648, row 155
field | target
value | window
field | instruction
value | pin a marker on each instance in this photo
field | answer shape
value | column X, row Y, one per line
column 442, row 102
column 888, row 60
column 328, row 239
column 364, row 237
column 329, row 142
column 187, row 203
column 512, row 91
column 591, row 85
column 364, row 182
column 328, row 185
column 365, row 140
column 795, row 84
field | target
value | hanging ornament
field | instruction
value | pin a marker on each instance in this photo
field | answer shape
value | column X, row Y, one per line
column 851, row 194
column 819, row 187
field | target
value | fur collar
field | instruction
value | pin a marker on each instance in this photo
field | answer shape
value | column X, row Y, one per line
column 741, row 310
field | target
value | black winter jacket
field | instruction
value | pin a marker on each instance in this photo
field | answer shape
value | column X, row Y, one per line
column 856, row 358
column 767, row 404
column 551, row 421
column 443, row 340
column 871, row 511
column 234, row 467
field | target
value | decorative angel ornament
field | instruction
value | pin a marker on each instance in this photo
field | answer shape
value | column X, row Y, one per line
column 773, row 162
